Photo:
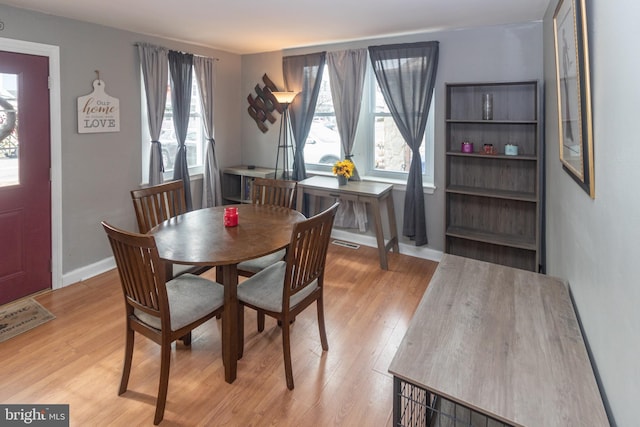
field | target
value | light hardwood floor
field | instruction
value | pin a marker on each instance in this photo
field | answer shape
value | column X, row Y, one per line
column 76, row 359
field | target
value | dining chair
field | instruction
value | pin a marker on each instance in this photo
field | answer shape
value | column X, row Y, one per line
column 285, row 288
column 156, row 204
column 160, row 310
column 273, row 192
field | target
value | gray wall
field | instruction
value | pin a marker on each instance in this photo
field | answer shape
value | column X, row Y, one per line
column 500, row 53
column 594, row 243
column 98, row 170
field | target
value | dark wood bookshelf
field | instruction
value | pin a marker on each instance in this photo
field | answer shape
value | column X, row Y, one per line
column 494, row 201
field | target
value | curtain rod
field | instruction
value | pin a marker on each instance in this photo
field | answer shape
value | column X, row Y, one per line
column 194, row 54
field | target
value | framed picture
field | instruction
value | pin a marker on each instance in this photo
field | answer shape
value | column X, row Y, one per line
column 574, row 92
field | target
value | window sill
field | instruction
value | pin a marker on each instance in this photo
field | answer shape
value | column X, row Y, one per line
column 398, row 184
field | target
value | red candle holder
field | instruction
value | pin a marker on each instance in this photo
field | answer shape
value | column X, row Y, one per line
column 230, row 217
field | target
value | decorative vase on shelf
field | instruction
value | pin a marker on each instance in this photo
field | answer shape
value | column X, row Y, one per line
column 487, row 106
column 342, row 180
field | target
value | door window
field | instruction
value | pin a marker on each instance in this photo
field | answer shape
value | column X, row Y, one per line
column 9, row 147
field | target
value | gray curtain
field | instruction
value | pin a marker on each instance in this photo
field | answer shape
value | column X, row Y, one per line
column 346, row 73
column 153, row 61
column 303, row 74
column 180, row 69
column 205, row 69
column 406, row 74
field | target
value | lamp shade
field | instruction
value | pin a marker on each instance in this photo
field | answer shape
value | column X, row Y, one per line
column 285, row 97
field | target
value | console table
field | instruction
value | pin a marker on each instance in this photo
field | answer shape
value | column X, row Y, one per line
column 371, row 193
column 494, row 345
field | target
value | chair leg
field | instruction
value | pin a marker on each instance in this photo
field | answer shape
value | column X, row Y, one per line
column 186, row 339
column 260, row 317
column 293, row 319
column 286, row 350
column 323, row 331
column 165, row 361
column 128, row 356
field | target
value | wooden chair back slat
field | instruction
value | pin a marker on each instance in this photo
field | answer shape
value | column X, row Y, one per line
column 158, row 203
column 142, row 274
column 274, row 192
column 307, row 252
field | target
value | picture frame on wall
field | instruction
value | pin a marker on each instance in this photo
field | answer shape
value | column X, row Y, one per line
column 574, row 92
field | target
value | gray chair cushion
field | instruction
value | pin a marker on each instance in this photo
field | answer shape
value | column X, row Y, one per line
column 258, row 264
column 179, row 269
column 191, row 297
column 264, row 289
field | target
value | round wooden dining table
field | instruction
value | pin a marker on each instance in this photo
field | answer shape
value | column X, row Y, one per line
column 200, row 238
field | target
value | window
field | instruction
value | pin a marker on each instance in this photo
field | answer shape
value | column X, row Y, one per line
column 195, row 140
column 322, row 148
column 195, row 133
column 390, row 155
column 379, row 149
column 9, row 146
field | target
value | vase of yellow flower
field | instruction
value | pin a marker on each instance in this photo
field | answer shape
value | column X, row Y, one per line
column 343, row 170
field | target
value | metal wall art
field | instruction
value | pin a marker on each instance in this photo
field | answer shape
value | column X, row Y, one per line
column 261, row 107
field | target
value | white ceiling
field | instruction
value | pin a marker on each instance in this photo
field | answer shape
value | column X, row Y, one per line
column 251, row 26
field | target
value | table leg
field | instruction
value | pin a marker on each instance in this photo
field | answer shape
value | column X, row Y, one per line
column 393, row 228
column 300, row 200
column 377, row 224
column 230, row 322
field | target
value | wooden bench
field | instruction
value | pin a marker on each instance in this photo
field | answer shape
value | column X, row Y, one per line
column 493, row 345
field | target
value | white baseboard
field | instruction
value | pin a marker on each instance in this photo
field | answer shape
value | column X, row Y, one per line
column 369, row 240
column 88, row 271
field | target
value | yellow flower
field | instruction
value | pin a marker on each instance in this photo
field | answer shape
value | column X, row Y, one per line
column 344, row 168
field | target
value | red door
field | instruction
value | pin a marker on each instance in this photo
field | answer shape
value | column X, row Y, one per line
column 25, row 188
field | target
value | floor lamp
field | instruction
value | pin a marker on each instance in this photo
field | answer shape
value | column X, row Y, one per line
column 284, row 99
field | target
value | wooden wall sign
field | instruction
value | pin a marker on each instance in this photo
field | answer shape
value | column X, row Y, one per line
column 98, row 112
column 262, row 106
